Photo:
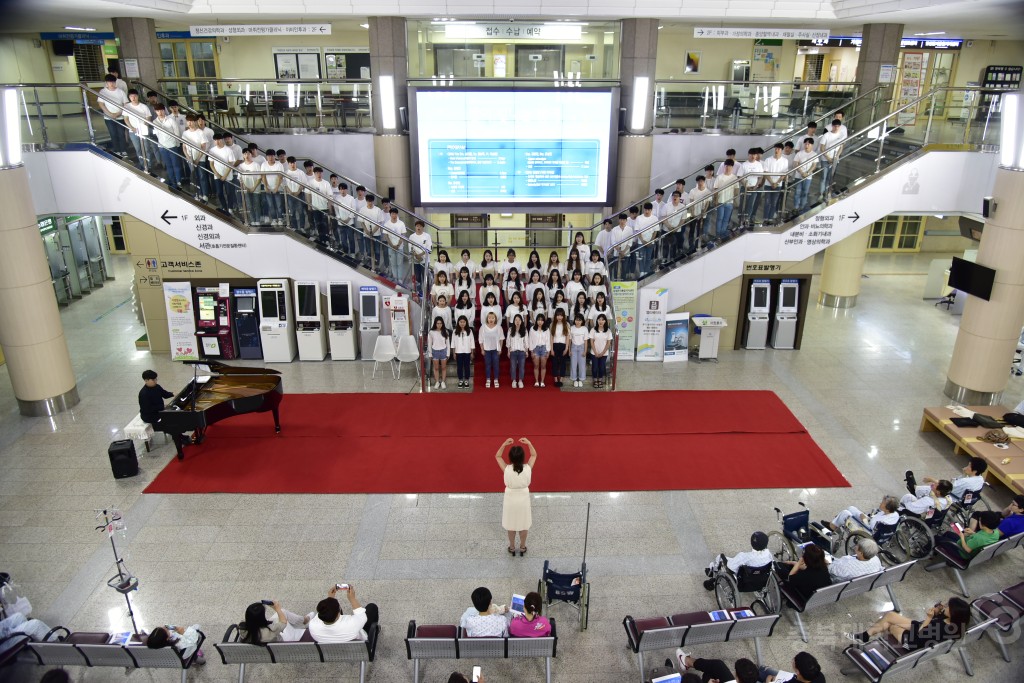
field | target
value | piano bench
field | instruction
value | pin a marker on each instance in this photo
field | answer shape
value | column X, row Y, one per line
column 137, row 430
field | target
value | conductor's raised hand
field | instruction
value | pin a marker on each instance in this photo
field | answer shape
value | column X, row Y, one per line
column 508, row 442
column 524, row 440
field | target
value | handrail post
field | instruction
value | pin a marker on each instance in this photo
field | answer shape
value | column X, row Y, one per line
column 881, row 147
column 88, row 116
column 972, row 111
column 931, row 113
column 39, row 111
column 807, row 100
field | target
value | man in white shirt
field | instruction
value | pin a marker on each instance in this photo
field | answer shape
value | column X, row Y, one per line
column 842, row 126
column 776, row 167
column 273, row 196
column 208, row 137
column 137, row 115
column 887, row 514
column 757, row 556
column 329, row 624
column 294, row 187
column 318, row 193
column 730, row 155
column 864, row 561
column 675, row 213
column 345, row 213
column 394, row 231
column 484, row 619
column 812, row 132
column 659, row 205
column 111, row 101
column 805, row 161
column 420, row 256
column 750, row 171
column 700, row 209
column 622, row 244
column 250, row 179
column 647, row 232
column 928, row 496
column 229, row 141
column 174, row 111
column 194, row 149
column 603, row 241
column 167, row 134
column 121, row 85
column 831, row 143
column 222, row 165
column 973, row 480
column 726, row 187
column 370, row 218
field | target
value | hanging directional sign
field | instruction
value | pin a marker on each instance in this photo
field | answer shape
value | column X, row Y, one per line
column 261, row 30
column 752, row 33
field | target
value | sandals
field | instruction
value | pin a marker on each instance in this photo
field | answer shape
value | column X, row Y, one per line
column 511, row 551
column 522, row 550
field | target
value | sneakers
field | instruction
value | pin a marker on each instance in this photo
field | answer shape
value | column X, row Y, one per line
column 488, row 384
column 496, row 385
column 681, row 657
column 444, row 385
column 437, row 385
column 542, row 383
column 856, row 637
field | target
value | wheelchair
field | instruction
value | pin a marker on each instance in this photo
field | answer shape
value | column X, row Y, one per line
column 916, row 533
column 796, row 531
column 960, row 511
column 760, row 581
column 571, row 589
column 845, row 540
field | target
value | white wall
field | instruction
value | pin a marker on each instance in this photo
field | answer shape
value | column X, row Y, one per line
column 676, row 156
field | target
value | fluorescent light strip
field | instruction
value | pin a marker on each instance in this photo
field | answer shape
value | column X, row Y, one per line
column 1008, row 145
column 641, row 86
column 387, row 102
column 12, row 134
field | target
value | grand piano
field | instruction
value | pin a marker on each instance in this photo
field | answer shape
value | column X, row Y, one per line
column 226, row 392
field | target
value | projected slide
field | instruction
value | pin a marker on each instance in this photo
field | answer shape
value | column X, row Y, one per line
column 513, row 147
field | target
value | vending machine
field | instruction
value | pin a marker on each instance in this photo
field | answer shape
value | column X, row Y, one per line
column 214, row 333
column 341, row 321
column 277, row 321
column 758, row 315
column 369, row 319
column 247, row 324
column 784, row 331
column 309, row 322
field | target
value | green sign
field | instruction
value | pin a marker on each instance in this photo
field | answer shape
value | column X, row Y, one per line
column 767, row 41
column 110, row 50
column 47, row 225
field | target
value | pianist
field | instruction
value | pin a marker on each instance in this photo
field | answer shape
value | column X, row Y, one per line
column 151, row 400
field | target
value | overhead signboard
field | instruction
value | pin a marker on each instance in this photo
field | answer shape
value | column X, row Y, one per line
column 77, row 35
column 855, row 41
column 261, row 30
column 755, row 33
column 515, row 30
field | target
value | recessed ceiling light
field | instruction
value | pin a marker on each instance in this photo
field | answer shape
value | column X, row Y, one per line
column 660, row 27
column 364, row 26
column 78, row 28
column 933, row 33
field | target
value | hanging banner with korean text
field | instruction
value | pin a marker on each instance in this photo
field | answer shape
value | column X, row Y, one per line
column 181, row 320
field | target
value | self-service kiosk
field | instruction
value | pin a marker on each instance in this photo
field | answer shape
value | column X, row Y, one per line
column 341, row 321
column 213, row 323
column 277, row 321
column 758, row 315
column 247, row 324
column 309, row 322
column 369, row 319
column 784, row 331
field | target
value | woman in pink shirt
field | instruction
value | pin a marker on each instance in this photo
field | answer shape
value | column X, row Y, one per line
column 530, row 624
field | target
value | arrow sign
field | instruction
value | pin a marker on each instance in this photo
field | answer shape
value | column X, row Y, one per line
column 166, row 217
column 322, row 29
column 855, row 217
column 139, row 264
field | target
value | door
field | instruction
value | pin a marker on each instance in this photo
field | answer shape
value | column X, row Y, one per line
column 469, row 232
column 539, row 61
column 464, row 62
column 543, row 231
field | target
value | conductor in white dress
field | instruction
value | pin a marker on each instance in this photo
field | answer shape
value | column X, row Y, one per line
column 515, row 511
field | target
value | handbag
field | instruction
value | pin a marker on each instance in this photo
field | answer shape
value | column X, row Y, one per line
column 995, row 436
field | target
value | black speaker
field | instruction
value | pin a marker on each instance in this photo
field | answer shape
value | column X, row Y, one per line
column 123, row 461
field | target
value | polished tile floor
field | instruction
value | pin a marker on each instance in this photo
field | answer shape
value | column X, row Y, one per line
column 858, row 384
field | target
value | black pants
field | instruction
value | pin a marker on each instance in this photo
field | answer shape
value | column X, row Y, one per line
column 558, row 360
column 462, row 361
column 911, row 482
column 713, row 669
column 372, row 616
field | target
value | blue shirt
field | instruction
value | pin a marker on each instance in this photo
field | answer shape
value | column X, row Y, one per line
column 1012, row 525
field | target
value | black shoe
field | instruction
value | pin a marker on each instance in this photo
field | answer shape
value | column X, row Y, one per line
column 709, row 585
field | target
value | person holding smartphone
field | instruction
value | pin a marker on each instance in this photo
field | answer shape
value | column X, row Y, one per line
column 943, row 621
column 457, row 677
column 266, row 621
column 329, row 624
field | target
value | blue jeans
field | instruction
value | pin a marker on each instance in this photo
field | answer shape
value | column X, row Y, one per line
column 297, row 209
column 347, row 237
column 253, row 206
column 491, row 364
column 577, row 363
column 202, row 178
column 771, row 203
column 275, row 205
column 139, row 143
column 225, row 194
column 172, row 164
column 723, row 214
column 116, row 133
column 828, row 169
column 800, row 194
column 518, row 359
column 751, row 201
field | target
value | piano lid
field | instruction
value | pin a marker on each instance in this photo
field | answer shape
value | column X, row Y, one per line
column 219, row 368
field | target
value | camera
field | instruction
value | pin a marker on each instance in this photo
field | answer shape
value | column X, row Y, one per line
column 267, row 602
column 341, row 586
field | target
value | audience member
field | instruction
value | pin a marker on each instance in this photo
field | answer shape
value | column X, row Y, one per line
column 928, row 496
column 941, row 622
column 185, row 639
column 757, row 557
column 968, row 542
column 805, row 670
column 808, row 574
column 885, row 514
column 864, row 561
column 530, row 624
column 484, row 619
column 19, row 623
column 973, row 479
column 329, row 624
column 1012, row 518
column 268, row 623
column 717, row 670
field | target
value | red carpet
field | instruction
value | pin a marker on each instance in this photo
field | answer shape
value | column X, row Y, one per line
column 587, row 441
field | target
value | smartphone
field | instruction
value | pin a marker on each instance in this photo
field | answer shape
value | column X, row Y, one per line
column 341, row 586
column 476, row 674
column 956, row 528
column 267, row 602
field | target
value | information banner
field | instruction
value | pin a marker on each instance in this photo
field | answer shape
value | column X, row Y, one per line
column 181, row 320
column 910, row 87
column 260, row 30
column 624, row 301
column 650, row 338
column 397, row 307
column 677, row 337
column 752, row 33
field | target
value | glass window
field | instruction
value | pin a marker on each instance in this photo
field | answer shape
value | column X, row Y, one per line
column 202, row 50
column 166, row 51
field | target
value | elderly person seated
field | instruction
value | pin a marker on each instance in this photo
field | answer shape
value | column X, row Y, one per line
column 184, row 639
column 927, row 496
column 329, row 624
column 885, row 514
column 864, row 561
column 972, row 481
column 270, row 623
column 484, row 619
column 19, row 623
column 757, row 556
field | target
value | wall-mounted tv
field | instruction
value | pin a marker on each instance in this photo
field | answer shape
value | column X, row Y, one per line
column 971, row 278
column 523, row 147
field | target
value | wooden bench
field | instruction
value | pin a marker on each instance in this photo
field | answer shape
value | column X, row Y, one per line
column 444, row 641
column 968, row 441
column 835, row 592
column 92, row 648
column 693, row 628
column 303, row 651
column 1007, row 608
column 951, row 558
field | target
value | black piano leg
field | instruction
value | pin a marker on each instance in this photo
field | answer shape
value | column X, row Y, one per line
column 277, row 421
column 177, row 444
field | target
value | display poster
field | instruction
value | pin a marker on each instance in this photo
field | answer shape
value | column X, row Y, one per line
column 650, row 335
column 911, row 82
column 624, row 301
column 397, row 307
column 181, row 320
column 765, row 63
column 309, row 66
column 677, row 337
column 336, row 65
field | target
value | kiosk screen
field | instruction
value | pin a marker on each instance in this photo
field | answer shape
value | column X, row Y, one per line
column 307, row 301
column 760, row 298
column 789, row 297
column 245, row 304
column 369, row 304
column 339, row 300
column 207, row 308
column 268, row 302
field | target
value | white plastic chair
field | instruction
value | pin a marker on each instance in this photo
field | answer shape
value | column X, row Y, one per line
column 408, row 352
column 384, row 351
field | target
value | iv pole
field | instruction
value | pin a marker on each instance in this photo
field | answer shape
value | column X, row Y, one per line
column 124, row 583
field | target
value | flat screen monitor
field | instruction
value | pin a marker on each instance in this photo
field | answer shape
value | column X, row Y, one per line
column 368, row 306
column 245, row 304
column 268, row 304
column 974, row 279
column 307, row 301
column 523, row 147
column 207, row 308
column 340, row 305
column 788, row 298
column 760, row 298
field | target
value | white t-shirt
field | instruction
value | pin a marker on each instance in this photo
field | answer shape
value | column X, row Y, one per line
column 582, row 249
column 700, row 200
column 438, row 342
column 515, row 342
column 804, row 162
column 271, row 179
column 394, row 230
column 166, row 128
column 511, row 311
column 777, row 167
column 726, row 187
column 369, row 217
column 250, row 182
column 491, row 337
column 538, row 338
column 830, row 143
column 321, row 201
column 444, row 313
column 599, row 341
column 295, row 180
column 112, row 102
column 487, row 310
column 197, row 139
column 345, row 628
column 962, row 485
column 138, row 116
column 622, row 233
column 222, row 160
column 578, row 335
column 594, row 311
column 749, row 170
column 603, row 242
column 423, row 240
column 463, row 343
column 468, row 313
column 646, row 227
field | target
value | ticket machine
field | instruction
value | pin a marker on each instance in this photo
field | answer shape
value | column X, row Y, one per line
column 247, row 324
column 277, row 320
column 214, row 333
column 310, row 332
column 341, row 321
column 369, row 319
column 758, row 315
column 784, row 331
